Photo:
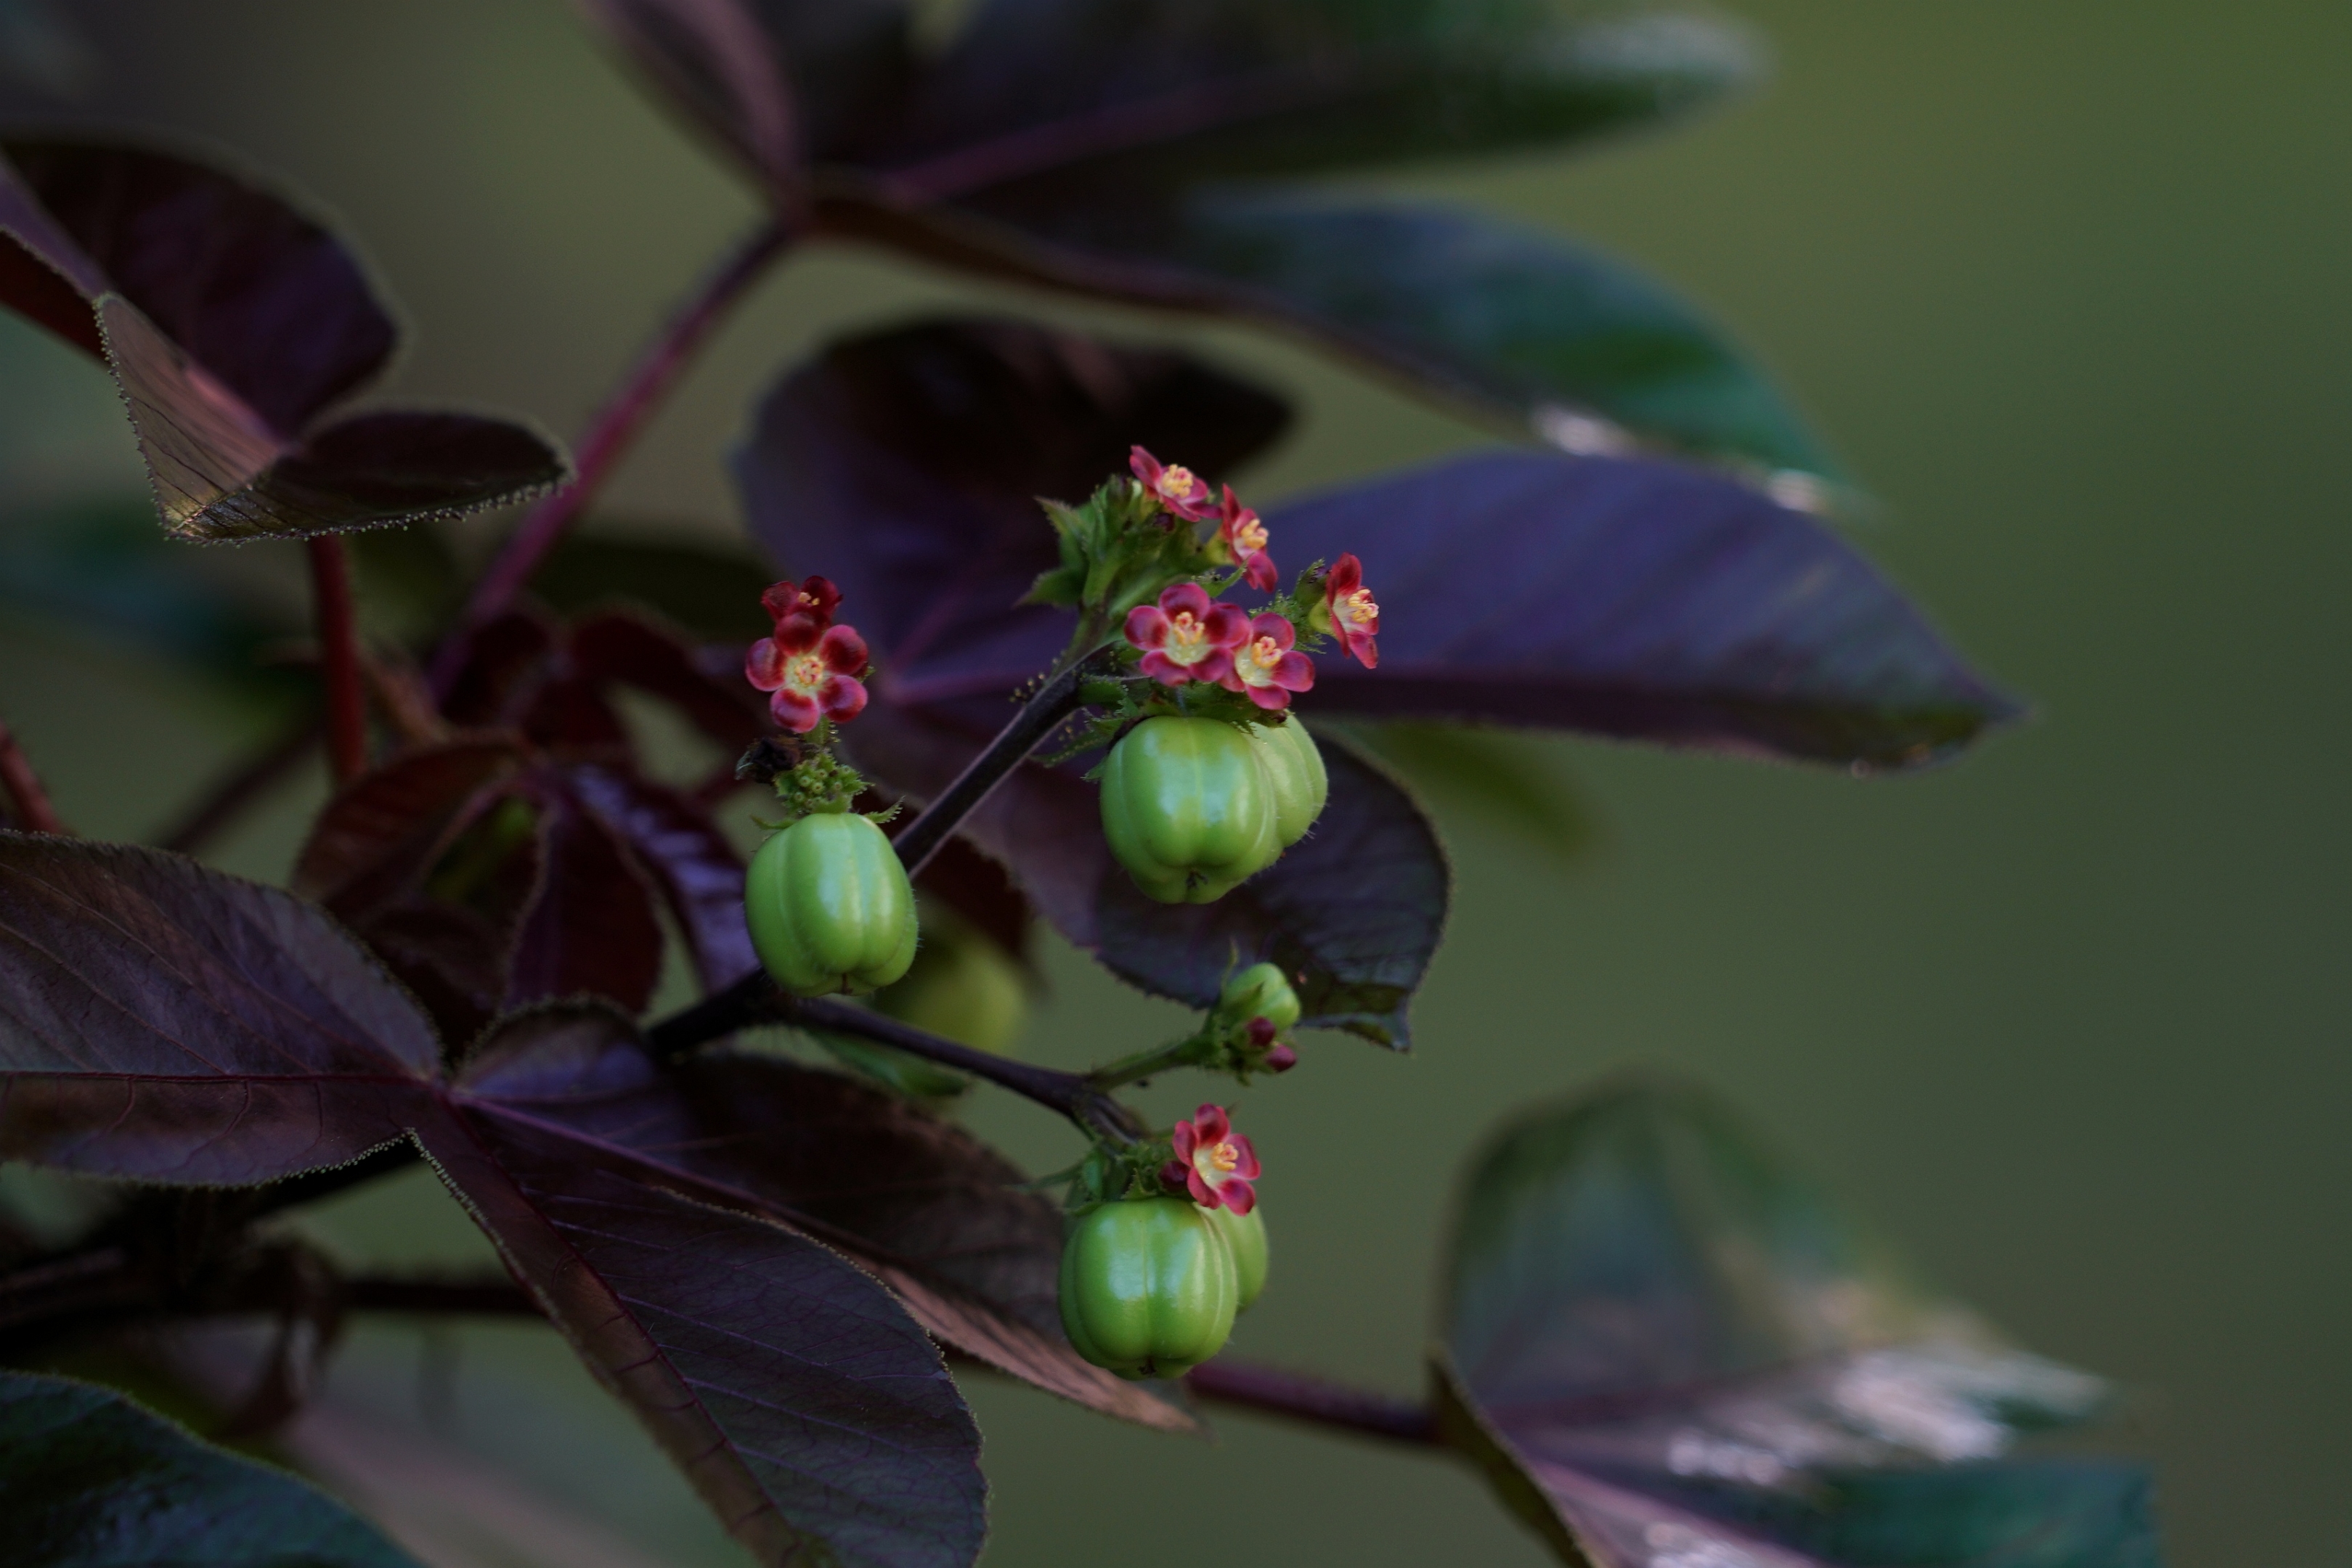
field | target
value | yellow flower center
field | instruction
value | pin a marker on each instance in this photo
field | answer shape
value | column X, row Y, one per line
column 1265, row 653
column 807, row 672
column 1177, row 483
column 810, row 599
column 1186, row 629
column 1251, row 537
column 1225, row 1157
column 1359, row 608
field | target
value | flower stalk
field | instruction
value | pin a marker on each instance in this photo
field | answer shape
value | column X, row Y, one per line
column 339, row 656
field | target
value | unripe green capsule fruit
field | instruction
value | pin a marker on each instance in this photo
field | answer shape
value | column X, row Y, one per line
column 829, row 907
column 962, row 985
column 1149, row 1287
column 1244, row 1237
column 1293, row 766
column 1261, row 990
column 1188, row 809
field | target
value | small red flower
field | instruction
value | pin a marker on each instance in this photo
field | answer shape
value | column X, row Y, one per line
column 815, row 599
column 1244, row 539
column 1185, row 637
column 810, row 670
column 1267, row 667
column 1212, row 1162
column 1355, row 618
column 1179, row 490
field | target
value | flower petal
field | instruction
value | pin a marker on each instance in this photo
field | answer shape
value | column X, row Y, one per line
column 1166, row 671
column 843, row 651
column 1275, row 626
column 797, row 633
column 794, row 711
column 1246, row 1167
column 1238, row 1196
column 1209, row 1125
column 1147, row 626
column 1184, row 596
column 1261, row 572
column 1202, row 1192
column 1274, row 699
column 1182, row 1141
column 763, row 666
column 843, row 698
column 1226, row 626
column 1295, row 672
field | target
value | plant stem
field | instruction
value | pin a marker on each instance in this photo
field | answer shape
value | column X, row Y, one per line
column 616, row 427
column 26, row 796
column 754, row 999
column 1149, row 1063
column 1312, row 1400
column 339, row 656
column 1054, row 702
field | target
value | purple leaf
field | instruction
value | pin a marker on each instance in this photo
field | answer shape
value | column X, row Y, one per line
column 590, row 928
column 904, row 466
column 233, row 324
column 167, row 1023
column 87, row 1478
column 771, row 80
column 1634, row 599
column 618, row 649
column 699, row 873
column 1659, row 1340
column 382, row 831
column 973, row 1257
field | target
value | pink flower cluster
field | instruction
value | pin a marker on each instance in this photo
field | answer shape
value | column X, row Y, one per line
column 1188, row 636
column 1214, row 1162
column 810, row 668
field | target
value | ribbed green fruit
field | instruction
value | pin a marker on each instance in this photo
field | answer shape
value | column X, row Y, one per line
column 1293, row 766
column 1188, row 809
column 829, row 907
column 1149, row 1287
column 1261, row 990
column 1244, row 1237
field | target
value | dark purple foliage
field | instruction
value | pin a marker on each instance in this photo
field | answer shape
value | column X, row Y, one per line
column 233, row 325
column 1661, row 1343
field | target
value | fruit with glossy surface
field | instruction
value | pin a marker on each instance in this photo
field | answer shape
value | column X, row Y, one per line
column 1149, row 1287
column 1244, row 1237
column 1293, row 768
column 1188, row 809
column 829, row 906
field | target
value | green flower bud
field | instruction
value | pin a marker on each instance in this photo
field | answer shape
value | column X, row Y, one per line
column 1293, row 766
column 1149, row 1287
column 1187, row 808
column 1261, row 990
column 1244, row 1237
column 829, row 907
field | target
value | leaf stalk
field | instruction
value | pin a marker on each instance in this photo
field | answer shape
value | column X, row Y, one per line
column 339, row 655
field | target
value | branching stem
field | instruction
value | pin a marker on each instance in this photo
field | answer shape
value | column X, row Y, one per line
column 1043, row 713
column 339, row 656
column 26, row 796
column 616, row 426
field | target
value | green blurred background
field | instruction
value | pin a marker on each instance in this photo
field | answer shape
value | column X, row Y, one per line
column 2064, row 284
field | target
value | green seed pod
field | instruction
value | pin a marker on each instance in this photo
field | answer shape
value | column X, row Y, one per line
column 1261, row 990
column 1244, row 1237
column 962, row 986
column 1294, row 766
column 1149, row 1287
column 1187, row 808
column 829, row 907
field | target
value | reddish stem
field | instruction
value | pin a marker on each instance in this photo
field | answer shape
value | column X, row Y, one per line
column 1311, row 1399
column 616, row 427
column 30, row 801
column 339, row 656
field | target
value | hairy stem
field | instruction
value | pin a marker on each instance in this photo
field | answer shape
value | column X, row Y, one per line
column 339, row 656
column 27, row 799
column 1150, row 1063
column 1054, row 702
column 754, row 999
column 616, row 425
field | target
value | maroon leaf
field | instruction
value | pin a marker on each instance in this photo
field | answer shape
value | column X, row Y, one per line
column 167, row 1023
column 973, row 1257
column 382, row 831
column 164, row 1022
column 616, row 649
column 232, row 324
column 904, row 466
column 1659, row 1339
column 772, row 80
column 699, row 873
column 590, row 928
